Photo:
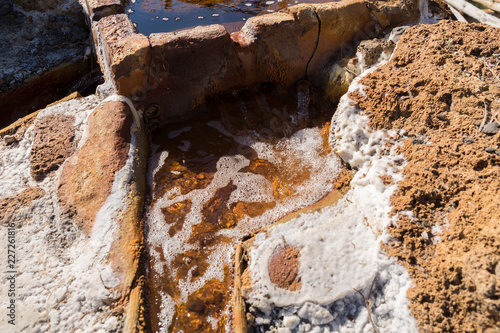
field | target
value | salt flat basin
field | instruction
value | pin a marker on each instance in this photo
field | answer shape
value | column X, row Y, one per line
column 165, row 16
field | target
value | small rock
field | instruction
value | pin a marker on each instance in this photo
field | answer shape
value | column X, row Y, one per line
column 9, row 139
column 315, row 314
column 425, row 235
column 417, row 141
column 491, row 128
column 442, row 116
column 490, row 150
column 468, row 141
column 291, row 321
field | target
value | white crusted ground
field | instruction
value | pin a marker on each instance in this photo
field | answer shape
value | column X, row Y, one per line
column 58, row 288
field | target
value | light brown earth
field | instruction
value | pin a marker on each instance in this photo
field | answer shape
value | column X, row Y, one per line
column 443, row 87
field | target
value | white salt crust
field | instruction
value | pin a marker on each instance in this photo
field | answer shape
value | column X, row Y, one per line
column 340, row 245
column 305, row 145
column 60, row 288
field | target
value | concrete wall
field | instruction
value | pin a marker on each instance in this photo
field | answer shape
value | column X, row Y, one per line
column 178, row 70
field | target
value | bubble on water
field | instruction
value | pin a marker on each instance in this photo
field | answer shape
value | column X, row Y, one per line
column 164, row 18
column 200, row 17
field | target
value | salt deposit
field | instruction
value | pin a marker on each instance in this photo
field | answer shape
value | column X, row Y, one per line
column 60, row 288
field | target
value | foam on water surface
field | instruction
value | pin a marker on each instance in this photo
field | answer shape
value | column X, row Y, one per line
column 210, row 193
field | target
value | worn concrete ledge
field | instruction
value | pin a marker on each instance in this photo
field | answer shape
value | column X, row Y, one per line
column 125, row 61
column 98, row 9
column 86, row 184
column 177, row 71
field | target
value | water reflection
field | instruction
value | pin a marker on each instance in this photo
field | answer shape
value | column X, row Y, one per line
column 169, row 15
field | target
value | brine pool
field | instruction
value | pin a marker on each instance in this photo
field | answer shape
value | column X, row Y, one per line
column 255, row 156
column 152, row 16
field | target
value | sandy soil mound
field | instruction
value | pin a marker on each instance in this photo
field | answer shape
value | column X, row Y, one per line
column 442, row 86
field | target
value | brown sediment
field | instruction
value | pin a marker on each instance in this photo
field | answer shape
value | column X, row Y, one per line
column 209, row 301
column 284, row 268
column 442, row 87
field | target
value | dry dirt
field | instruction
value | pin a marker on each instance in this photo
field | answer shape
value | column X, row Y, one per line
column 443, row 87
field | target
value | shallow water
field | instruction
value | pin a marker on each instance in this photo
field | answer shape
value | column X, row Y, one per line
column 256, row 157
column 170, row 15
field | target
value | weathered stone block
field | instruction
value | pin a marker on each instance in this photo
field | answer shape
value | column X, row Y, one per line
column 189, row 65
column 342, row 24
column 281, row 44
column 53, row 142
column 98, row 9
column 88, row 175
column 126, row 54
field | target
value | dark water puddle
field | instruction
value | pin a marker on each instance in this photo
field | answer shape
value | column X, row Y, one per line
column 257, row 155
column 170, row 15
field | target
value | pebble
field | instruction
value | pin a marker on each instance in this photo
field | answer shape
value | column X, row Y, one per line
column 491, row 128
column 442, row 116
column 315, row 314
column 9, row 139
column 417, row 141
column 490, row 150
column 291, row 321
column 468, row 141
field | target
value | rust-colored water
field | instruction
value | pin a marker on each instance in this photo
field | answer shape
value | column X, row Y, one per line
column 215, row 181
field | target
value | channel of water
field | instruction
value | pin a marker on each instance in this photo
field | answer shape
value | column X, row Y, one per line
column 170, row 15
column 256, row 156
